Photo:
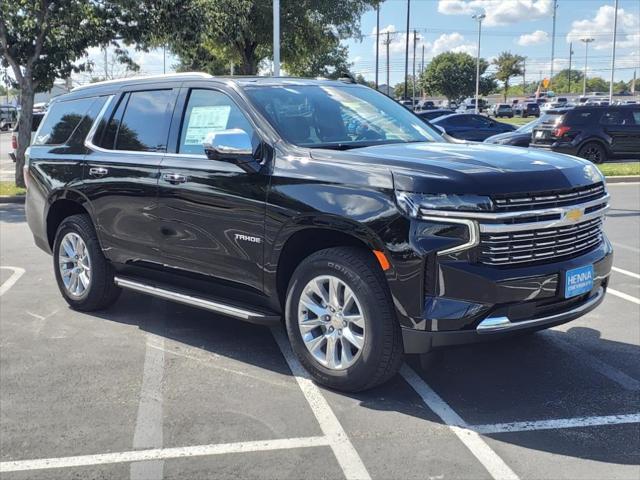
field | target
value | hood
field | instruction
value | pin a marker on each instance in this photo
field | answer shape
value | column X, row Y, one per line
column 477, row 168
column 502, row 136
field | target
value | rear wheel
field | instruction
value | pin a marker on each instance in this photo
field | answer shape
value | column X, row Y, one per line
column 84, row 276
column 593, row 151
column 341, row 322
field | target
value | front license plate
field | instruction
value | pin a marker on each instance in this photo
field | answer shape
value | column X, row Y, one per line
column 578, row 281
column 539, row 134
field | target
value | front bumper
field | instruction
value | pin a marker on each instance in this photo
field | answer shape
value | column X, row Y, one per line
column 484, row 303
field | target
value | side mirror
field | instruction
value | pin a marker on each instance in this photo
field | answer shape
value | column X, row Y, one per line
column 233, row 146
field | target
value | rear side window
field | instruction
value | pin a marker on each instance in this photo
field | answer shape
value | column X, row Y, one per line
column 579, row 116
column 617, row 117
column 145, row 122
column 61, row 120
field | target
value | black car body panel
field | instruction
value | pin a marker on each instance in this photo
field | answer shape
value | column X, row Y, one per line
column 472, row 127
column 209, row 225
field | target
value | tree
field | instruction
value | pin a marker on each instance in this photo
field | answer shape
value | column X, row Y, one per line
column 454, row 76
column 240, row 31
column 509, row 65
column 41, row 40
column 398, row 89
column 560, row 81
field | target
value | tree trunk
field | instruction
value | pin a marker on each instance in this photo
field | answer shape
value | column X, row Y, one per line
column 24, row 125
column 506, row 89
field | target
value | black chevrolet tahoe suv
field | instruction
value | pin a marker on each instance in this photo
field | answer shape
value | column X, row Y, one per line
column 320, row 204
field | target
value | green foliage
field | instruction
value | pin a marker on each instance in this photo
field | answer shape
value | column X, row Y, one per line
column 41, row 40
column 454, row 76
column 398, row 89
column 509, row 65
column 240, row 31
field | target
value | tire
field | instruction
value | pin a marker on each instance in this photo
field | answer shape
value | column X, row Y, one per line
column 593, row 151
column 94, row 287
column 380, row 354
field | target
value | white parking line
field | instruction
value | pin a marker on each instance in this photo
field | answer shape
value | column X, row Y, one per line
column 612, row 373
column 162, row 454
column 148, row 432
column 556, row 424
column 470, row 438
column 343, row 449
column 11, row 281
column 624, row 296
column 625, row 272
column 625, row 247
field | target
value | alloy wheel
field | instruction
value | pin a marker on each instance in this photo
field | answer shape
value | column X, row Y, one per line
column 75, row 264
column 331, row 322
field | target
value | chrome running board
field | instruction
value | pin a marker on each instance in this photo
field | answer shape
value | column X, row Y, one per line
column 502, row 324
column 196, row 301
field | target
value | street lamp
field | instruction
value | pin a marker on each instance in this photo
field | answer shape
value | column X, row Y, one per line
column 586, row 41
column 478, row 18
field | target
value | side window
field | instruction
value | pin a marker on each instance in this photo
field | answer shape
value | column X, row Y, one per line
column 145, row 124
column 636, row 116
column 109, row 136
column 580, row 117
column 61, row 120
column 616, row 117
column 209, row 111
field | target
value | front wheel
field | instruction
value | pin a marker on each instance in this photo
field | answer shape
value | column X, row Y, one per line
column 85, row 277
column 341, row 322
column 593, row 151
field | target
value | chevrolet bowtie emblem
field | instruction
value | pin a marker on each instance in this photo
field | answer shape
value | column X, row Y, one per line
column 573, row 215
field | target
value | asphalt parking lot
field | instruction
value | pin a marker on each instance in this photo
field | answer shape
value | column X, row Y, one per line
column 150, row 389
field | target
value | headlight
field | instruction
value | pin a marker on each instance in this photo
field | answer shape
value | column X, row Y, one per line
column 413, row 203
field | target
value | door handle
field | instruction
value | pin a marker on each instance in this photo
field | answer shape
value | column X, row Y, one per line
column 98, row 171
column 174, row 178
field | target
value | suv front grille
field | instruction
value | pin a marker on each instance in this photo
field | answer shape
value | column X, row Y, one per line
column 540, row 245
column 549, row 199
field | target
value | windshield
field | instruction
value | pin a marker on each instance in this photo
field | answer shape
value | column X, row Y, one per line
column 340, row 117
column 546, row 118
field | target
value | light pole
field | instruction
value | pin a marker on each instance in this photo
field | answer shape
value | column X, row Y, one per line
column 613, row 52
column 586, row 41
column 570, row 59
column 553, row 38
column 276, row 38
column 478, row 18
column 377, row 41
column 406, row 52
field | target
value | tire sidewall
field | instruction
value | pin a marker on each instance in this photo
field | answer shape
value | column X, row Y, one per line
column 369, row 356
column 71, row 226
column 597, row 145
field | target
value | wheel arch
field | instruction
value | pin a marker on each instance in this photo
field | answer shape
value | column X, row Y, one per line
column 299, row 243
column 63, row 204
column 603, row 143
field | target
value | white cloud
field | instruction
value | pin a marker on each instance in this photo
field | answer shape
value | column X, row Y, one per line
column 452, row 42
column 397, row 41
column 600, row 27
column 499, row 12
column 534, row 38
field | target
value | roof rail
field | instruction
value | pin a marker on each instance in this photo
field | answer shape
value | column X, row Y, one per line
column 143, row 77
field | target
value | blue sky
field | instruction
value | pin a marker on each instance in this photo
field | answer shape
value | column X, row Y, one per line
column 519, row 26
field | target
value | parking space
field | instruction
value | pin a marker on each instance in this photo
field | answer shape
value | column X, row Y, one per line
column 150, row 389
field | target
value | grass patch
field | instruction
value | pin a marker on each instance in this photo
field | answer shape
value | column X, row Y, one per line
column 516, row 121
column 618, row 169
column 9, row 189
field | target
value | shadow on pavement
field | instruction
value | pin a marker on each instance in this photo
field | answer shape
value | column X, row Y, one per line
column 526, row 378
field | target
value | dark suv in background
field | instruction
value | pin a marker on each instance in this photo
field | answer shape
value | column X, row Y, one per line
column 324, row 205
column 597, row 133
column 524, row 110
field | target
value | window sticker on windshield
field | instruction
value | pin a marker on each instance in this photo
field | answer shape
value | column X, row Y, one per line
column 204, row 120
